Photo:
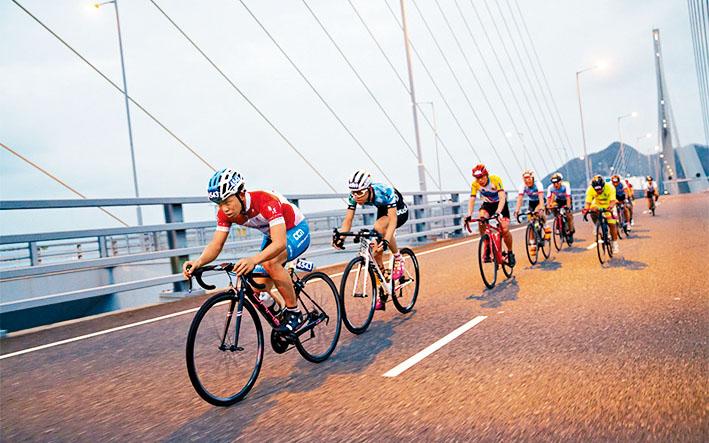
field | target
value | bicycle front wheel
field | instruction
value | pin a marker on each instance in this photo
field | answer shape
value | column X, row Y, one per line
column 505, row 252
column 406, row 288
column 487, row 261
column 223, row 363
column 601, row 248
column 531, row 243
column 358, row 295
column 320, row 303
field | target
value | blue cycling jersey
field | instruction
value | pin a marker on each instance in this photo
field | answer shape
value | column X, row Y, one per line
column 619, row 190
column 384, row 197
column 531, row 191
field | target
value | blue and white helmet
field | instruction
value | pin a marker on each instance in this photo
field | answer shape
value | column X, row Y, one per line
column 225, row 183
column 359, row 180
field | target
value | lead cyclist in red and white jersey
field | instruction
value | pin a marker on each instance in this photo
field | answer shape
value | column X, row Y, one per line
column 286, row 235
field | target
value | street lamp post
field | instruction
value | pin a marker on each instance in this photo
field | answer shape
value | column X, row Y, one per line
column 583, row 131
column 125, row 94
column 637, row 146
column 620, row 134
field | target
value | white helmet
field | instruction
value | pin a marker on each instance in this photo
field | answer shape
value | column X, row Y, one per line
column 225, row 183
column 360, row 180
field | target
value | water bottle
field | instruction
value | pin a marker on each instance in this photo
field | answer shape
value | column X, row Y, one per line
column 269, row 302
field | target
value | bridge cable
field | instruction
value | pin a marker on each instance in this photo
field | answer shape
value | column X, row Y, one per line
column 477, row 81
column 538, row 82
column 435, row 84
column 63, row 184
column 115, row 86
column 253, row 106
column 406, row 88
column 700, row 65
column 462, row 90
column 507, row 81
column 544, row 77
column 524, row 71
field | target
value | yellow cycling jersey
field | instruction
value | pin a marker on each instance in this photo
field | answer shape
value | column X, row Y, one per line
column 489, row 191
column 602, row 199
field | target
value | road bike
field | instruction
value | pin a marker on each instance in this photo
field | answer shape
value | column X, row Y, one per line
column 560, row 228
column 623, row 225
column 535, row 236
column 604, row 246
column 492, row 252
column 224, row 349
column 363, row 280
column 653, row 199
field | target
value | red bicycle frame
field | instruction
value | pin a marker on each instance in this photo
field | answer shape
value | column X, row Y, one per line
column 493, row 232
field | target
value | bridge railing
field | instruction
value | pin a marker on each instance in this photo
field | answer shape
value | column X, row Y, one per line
column 433, row 215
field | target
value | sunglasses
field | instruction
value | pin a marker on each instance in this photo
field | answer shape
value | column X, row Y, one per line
column 360, row 193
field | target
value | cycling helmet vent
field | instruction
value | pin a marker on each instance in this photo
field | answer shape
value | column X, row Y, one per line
column 360, row 180
column 225, row 183
column 479, row 171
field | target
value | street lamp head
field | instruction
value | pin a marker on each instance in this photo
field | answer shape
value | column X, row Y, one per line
column 601, row 65
column 634, row 114
column 581, row 158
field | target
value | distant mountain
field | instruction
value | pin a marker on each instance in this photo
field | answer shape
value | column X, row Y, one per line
column 636, row 164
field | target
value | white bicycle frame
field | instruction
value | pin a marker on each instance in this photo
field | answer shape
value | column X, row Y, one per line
column 365, row 251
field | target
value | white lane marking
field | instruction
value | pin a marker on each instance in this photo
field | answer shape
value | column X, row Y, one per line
column 94, row 334
column 591, row 246
column 433, row 348
column 140, row 323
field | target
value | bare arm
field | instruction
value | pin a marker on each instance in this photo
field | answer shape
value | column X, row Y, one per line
column 211, row 252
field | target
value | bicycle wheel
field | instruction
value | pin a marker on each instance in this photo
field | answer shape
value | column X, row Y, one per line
column 506, row 268
column 600, row 242
column 358, row 295
column 609, row 246
column 406, row 288
column 545, row 245
column 619, row 222
column 320, row 303
column 558, row 233
column 222, row 373
column 531, row 241
column 488, row 269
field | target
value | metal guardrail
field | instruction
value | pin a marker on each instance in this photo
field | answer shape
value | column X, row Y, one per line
column 440, row 218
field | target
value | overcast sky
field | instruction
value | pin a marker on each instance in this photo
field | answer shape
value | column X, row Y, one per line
column 62, row 115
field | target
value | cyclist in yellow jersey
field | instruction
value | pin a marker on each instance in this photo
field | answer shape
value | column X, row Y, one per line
column 494, row 202
column 601, row 195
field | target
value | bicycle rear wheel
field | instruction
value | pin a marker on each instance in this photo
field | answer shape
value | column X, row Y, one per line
column 223, row 373
column 531, row 242
column 600, row 242
column 505, row 252
column 406, row 288
column 358, row 295
column 320, row 304
column 544, row 244
column 488, row 269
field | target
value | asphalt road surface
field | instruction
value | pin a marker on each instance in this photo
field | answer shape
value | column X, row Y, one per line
column 567, row 350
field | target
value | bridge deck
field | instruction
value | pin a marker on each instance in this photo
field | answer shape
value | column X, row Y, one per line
column 569, row 350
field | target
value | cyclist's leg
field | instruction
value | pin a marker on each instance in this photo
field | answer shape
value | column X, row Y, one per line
column 297, row 241
column 485, row 211
column 381, row 226
column 402, row 216
column 505, row 227
column 612, row 225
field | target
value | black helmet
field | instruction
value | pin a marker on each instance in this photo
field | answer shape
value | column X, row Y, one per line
column 648, row 178
column 598, row 182
column 557, row 177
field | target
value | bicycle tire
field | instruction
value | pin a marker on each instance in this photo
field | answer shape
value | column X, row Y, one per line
column 544, row 243
column 402, row 302
column 619, row 222
column 356, row 314
column 203, row 328
column 600, row 242
column 504, row 252
column 485, row 240
column 320, row 302
column 531, row 232
column 558, row 233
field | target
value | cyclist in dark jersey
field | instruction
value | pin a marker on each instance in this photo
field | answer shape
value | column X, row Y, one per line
column 621, row 193
column 392, row 213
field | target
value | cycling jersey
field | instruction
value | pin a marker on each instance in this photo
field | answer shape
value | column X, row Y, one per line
column 650, row 188
column 561, row 193
column 602, row 199
column 384, row 197
column 531, row 191
column 489, row 191
column 264, row 210
column 619, row 190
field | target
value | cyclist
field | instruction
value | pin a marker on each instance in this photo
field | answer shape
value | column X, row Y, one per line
column 535, row 195
column 650, row 191
column 494, row 202
column 600, row 195
column 621, row 191
column 286, row 235
column 392, row 213
column 631, row 200
column 560, row 190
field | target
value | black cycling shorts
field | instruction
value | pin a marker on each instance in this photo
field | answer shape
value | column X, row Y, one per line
column 491, row 207
column 533, row 205
column 620, row 198
column 402, row 211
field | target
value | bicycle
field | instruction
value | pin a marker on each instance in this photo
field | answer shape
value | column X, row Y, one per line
column 653, row 199
column 603, row 238
column 560, row 228
column 622, row 221
column 491, row 250
column 535, row 238
column 362, row 281
column 224, row 350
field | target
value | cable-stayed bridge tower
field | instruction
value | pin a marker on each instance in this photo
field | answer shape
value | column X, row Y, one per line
column 668, row 169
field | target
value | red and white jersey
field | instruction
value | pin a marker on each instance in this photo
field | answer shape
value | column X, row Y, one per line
column 264, row 209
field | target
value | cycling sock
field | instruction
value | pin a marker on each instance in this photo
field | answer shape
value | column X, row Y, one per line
column 295, row 310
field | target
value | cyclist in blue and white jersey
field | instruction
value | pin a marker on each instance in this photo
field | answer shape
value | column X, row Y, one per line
column 534, row 192
column 392, row 213
column 621, row 191
column 559, row 196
